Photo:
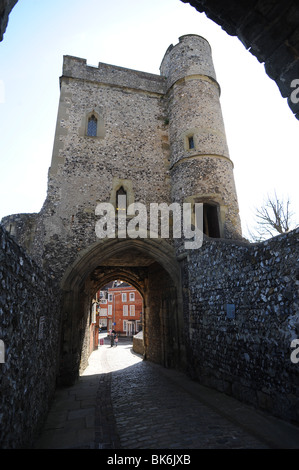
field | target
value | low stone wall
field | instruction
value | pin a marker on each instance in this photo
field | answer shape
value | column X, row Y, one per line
column 138, row 343
column 29, row 327
column 241, row 315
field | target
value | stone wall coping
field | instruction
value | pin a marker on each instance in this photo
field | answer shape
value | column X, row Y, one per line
column 77, row 68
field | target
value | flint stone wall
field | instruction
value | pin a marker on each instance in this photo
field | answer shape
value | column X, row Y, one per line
column 240, row 318
column 138, row 343
column 29, row 328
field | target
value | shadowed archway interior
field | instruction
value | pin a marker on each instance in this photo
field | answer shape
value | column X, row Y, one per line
column 148, row 265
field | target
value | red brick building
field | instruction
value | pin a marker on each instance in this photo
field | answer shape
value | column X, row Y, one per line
column 120, row 308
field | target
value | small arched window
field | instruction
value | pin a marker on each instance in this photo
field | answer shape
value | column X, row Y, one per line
column 92, row 126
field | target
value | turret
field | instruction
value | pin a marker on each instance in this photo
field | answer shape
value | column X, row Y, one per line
column 200, row 166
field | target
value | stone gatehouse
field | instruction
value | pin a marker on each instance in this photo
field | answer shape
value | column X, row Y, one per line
column 227, row 312
column 156, row 139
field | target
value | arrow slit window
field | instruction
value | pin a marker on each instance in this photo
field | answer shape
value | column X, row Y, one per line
column 92, row 126
column 191, row 142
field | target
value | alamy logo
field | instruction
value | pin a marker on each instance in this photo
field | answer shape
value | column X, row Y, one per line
column 295, row 353
column 184, row 221
column 2, row 352
column 295, row 94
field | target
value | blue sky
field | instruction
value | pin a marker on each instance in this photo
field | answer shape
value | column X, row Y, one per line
column 262, row 134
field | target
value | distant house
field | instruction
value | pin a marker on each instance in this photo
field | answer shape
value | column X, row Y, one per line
column 120, row 308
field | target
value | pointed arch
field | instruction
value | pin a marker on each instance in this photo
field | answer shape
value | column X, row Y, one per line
column 150, row 266
column 122, row 187
column 93, row 124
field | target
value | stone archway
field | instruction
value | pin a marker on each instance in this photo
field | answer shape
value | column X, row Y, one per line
column 151, row 267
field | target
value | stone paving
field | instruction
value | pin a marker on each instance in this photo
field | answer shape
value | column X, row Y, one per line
column 123, row 402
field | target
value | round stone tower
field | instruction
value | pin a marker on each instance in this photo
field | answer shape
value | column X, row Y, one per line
column 201, row 169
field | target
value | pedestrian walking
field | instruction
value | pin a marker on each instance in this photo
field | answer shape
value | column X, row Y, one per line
column 116, row 340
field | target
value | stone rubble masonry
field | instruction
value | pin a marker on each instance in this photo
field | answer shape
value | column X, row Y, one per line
column 246, row 354
column 29, row 328
column 138, row 343
column 203, row 173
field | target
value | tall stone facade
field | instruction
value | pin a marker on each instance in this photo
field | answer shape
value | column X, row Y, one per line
column 155, row 138
column 161, row 139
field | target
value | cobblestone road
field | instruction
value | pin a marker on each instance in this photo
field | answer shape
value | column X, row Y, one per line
column 123, row 402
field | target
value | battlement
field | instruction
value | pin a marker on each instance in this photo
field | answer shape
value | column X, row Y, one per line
column 77, row 68
column 191, row 56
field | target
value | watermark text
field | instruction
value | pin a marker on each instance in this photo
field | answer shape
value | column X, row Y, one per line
column 295, row 353
column 295, row 94
column 132, row 221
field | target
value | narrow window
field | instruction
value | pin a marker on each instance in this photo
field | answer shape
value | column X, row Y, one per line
column 92, row 126
column 211, row 221
column 121, row 192
column 191, row 142
column 121, row 199
column 132, row 310
column 125, row 310
column 132, row 296
column 124, row 297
